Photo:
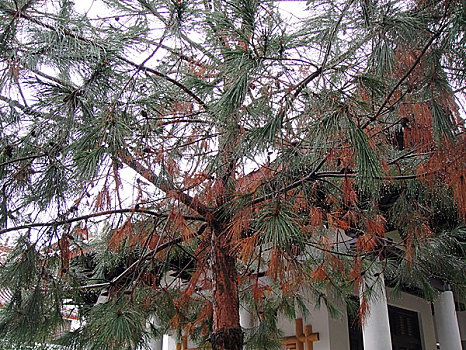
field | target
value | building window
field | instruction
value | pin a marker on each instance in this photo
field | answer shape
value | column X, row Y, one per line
column 404, row 328
column 354, row 327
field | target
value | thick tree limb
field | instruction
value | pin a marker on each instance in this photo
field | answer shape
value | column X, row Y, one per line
column 191, row 202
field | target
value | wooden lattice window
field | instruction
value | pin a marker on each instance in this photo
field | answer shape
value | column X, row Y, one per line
column 404, row 328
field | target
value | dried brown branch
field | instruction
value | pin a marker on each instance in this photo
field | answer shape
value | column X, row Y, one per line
column 150, row 253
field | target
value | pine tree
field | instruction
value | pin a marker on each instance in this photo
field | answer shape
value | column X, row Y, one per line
column 183, row 157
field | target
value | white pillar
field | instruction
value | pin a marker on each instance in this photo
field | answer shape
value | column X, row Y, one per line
column 245, row 318
column 155, row 344
column 447, row 323
column 376, row 327
column 169, row 342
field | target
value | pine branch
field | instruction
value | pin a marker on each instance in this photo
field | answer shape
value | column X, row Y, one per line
column 303, row 83
column 141, row 65
column 54, row 79
column 191, row 202
column 27, row 110
column 93, row 215
column 150, row 253
column 314, row 176
column 331, row 174
column 33, row 156
column 66, row 32
column 404, row 155
column 333, row 34
column 124, row 59
column 167, row 78
column 311, row 176
column 404, row 77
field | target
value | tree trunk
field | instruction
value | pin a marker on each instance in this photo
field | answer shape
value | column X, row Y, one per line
column 226, row 330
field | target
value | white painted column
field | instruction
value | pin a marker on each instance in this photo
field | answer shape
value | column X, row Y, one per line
column 245, row 318
column 447, row 323
column 155, row 344
column 376, row 328
column 169, row 342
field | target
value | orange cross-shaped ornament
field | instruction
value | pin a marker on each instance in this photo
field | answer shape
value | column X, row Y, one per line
column 303, row 339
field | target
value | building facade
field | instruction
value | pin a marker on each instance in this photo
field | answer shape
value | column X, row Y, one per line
column 404, row 322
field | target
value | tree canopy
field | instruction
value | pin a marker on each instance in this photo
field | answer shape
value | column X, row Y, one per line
column 185, row 157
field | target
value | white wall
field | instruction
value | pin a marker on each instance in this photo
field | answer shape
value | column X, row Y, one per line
column 333, row 333
column 318, row 319
column 168, row 343
column 339, row 333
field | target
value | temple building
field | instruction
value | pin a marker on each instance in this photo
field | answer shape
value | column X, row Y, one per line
column 405, row 322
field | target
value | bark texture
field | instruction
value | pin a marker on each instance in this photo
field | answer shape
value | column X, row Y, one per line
column 226, row 330
column 231, row 339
